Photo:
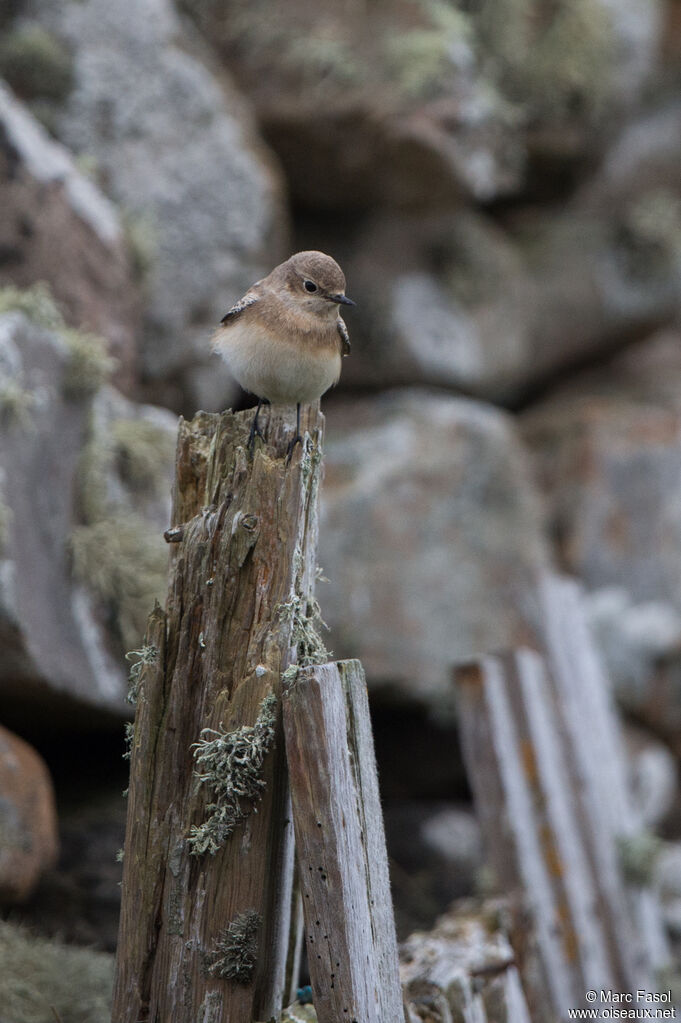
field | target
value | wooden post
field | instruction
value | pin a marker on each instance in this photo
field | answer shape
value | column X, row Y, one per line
column 207, row 883
column 342, row 859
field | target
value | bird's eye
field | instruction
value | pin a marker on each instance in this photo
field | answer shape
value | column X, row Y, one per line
column 310, row 286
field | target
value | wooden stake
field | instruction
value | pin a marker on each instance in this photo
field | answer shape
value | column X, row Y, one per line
column 207, row 884
column 340, row 841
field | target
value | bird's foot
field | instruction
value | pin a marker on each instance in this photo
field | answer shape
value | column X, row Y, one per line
column 255, row 432
column 292, row 446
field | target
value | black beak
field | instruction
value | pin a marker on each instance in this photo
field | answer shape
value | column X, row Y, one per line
column 341, row 299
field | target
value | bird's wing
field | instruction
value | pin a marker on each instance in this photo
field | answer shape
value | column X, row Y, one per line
column 249, row 299
column 344, row 337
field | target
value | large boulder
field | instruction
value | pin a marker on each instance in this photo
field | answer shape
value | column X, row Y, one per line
column 430, row 536
column 418, row 103
column 173, row 144
column 457, row 300
column 28, row 819
column 47, row 205
column 84, row 498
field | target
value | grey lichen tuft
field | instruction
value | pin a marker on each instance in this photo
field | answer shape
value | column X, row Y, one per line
column 236, row 951
column 304, row 617
column 231, row 765
column 138, row 659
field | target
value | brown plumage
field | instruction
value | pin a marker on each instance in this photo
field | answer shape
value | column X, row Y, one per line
column 284, row 340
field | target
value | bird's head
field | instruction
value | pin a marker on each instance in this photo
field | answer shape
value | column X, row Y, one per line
column 315, row 281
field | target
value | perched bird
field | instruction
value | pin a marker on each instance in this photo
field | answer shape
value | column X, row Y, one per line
column 284, row 340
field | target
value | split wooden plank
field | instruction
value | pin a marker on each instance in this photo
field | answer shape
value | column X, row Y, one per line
column 582, row 693
column 340, row 842
column 207, row 885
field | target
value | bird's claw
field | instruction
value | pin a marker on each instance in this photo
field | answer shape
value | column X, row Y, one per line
column 292, row 446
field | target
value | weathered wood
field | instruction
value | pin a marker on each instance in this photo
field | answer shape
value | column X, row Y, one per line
column 342, row 859
column 597, row 765
column 207, row 884
column 463, row 969
column 546, row 765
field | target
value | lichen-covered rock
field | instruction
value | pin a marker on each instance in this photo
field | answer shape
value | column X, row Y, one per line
column 84, row 492
column 417, row 101
column 430, row 535
column 42, row 980
column 28, row 819
column 49, row 206
column 456, row 300
column 173, row 144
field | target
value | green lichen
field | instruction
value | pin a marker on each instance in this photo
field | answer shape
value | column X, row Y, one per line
column 123, row 561
column 419, row 60
column 35, row 302
column 141, row 240
column 16, row 403
column 637, row 856
column 318, row 57
column 89, row 365
column 555, row 60
column 651, row 230
column 36, row 64
column 304, row 617
column 143, row 451
column 230, row 764
column 38, row 974
column 235, row 954
column 5, row 523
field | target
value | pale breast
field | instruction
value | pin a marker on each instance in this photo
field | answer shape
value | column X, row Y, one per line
column 282, row 371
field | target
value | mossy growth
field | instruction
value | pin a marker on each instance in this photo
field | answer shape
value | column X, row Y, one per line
column 420, row 59
column 143, row 450
column 39, row 976
column 637, row 855
column 651, row 231
column 235, row 954
column 553, row 59
column 36, row 64
column 35, row 302
column 231, row 764
column 5, row 523
column 141, row 240
column 123, row 561
column 323, row 56
column 89, row 364
column 16, row 403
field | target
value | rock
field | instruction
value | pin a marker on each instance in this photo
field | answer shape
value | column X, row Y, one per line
column 175, row 147
column 49, row 205
column 667, row 873
column 430, row 536
column 85, row 479
column 79, row 900
column 29, row 842
column 38, row 974
column 420, row 104
column 456, row 300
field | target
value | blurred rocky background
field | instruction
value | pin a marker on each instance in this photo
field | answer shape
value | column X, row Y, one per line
column 501, row 181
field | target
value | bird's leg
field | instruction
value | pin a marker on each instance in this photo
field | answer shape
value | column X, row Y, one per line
column 255, row 429
column 297, row 439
